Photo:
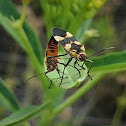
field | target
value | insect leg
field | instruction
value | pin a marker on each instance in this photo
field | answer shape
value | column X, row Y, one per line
column 77, row 68
column 56, row 56
column 37, row 75
column 64, row 69
column 48, row 78
column 65, row 58
column 40, row 74
column 81, row 66
column 89, row 68
column 58, row 71
column 61, row 63
column 72, row 66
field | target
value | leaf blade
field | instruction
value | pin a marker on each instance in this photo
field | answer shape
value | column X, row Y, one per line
column 7, row 98
column 8, row 10
column 23, row 115
column 110, row 62
column 71, row 77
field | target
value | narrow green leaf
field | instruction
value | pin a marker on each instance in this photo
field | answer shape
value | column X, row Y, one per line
column 22, row 39
column 8, row 10
column 7, row 98
column 23, row 115
column 7, row 24
column 110, row 62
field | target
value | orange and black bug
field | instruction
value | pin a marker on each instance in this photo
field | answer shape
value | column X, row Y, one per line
column 51, row 61
column 72, row 47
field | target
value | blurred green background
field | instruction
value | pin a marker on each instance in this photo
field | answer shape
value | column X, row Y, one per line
column 106, row 28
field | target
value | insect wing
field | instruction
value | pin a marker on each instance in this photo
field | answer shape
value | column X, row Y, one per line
column 52, row 47
column 67, row 41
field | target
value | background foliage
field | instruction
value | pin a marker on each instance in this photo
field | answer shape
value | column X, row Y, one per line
column 85, row 20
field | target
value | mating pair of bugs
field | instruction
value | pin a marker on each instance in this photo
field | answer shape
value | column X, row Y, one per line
column 72, row 47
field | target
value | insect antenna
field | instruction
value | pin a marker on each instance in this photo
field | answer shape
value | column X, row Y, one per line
column 100, row 51
column 35, row 76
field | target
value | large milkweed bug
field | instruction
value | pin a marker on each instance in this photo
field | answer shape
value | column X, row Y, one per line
column 51, row 61
column 72, row 47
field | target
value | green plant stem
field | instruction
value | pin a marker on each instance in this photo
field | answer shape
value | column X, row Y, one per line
column 30, row 52
column 19, row 23
column 22, row 16
column 77, row 94
column 120, row 109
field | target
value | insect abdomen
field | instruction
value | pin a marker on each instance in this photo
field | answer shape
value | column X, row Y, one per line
column 52, row 49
